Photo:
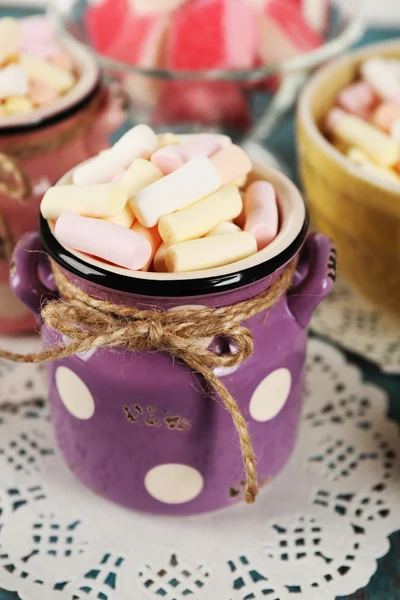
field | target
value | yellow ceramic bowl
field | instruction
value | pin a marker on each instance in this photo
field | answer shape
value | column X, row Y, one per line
column 359, row 211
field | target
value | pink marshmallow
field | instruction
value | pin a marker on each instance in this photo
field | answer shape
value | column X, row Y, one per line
column 170, row 158
column 63, row 60
column 42, row 93
column 261, row 212
column 45, row 49
column 231, row 162
column 283, row 33
column 386, row 115
column 102, row 239
column 208, row 34
column 358, row 99
column 36, row 27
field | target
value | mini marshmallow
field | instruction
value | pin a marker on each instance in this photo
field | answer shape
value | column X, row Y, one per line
column 202, row 216
column 363, row 161
column 140, row 174
column 192, row 182
column 42, row 93
column 40, row 70
column 13, row 81
column 10, row 33
column 386, row 115
column 159, row 265
column 153, row 237
column 240, row 182
column 231, row 162
column 102, row 200
column 210, row 252
column 358, row 99
column 224, row 228
column 126, row 218
column 115, row 244
column 63, row 61
column 17, row 104
column 170, row 158
column 36, row 27
column 356, row 132
column 378, row 73
column 138, row 142
column 167, row 139
column 261, row 212
column 395, row 131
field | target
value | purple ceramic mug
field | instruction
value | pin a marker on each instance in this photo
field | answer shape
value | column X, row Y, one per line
column 139, row 428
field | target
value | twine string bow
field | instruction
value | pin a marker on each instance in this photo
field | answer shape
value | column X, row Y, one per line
column 88, row 323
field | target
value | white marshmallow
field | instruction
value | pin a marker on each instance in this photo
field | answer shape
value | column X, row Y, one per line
column 382, row 78
column 13, row 81
column 192, row 182
column 138, row 142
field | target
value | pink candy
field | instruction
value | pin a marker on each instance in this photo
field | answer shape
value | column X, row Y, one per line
column 358, row 99
column 104, row 21
column 170, row 158
column 113, row 243
column 261, row 212
column 208, row 34
column 284, row 33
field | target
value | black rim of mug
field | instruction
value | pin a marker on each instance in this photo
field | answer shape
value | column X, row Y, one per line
column 171, row 288
column 54, row 118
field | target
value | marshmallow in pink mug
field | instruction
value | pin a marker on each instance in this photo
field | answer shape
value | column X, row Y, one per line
column 37, row 147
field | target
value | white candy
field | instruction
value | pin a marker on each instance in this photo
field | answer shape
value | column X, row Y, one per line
column 13, row 81
column 192, row 182
column 138, row 142
column 382, row 78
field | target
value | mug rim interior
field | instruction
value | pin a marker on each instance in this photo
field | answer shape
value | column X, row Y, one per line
column 294, row 228
column 84, row 90
column 307, row 119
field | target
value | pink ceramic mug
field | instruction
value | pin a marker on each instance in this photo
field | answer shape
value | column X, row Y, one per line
column 36, row 149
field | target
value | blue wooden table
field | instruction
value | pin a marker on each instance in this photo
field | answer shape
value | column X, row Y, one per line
column 385, row 584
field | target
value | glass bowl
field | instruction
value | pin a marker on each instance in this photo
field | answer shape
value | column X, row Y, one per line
column 248, row 104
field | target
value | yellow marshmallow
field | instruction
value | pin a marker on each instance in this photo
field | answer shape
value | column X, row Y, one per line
column 159, row 265
column 9, row 38
column 223, row 228
column 361, row 159
column 210, row 252
column 375, row 143
column 17, row 104
column 167, row 139
column 202, row 216
column 125, row 218
column 239, row 181
column 40, row 70
column 100, row 200
column 139, row 175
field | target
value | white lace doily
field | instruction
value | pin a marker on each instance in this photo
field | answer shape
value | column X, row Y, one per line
column 315, row 533
column 349, row 320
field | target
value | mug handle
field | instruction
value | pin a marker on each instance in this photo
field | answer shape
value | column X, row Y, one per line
column 318, row 274
column 31, row 278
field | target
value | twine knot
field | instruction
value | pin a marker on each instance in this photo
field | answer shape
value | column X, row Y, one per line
column 86, row 323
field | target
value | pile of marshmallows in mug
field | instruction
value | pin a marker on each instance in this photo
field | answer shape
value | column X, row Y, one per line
column 365, row 125
column 164, row 203
column 34, row 69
